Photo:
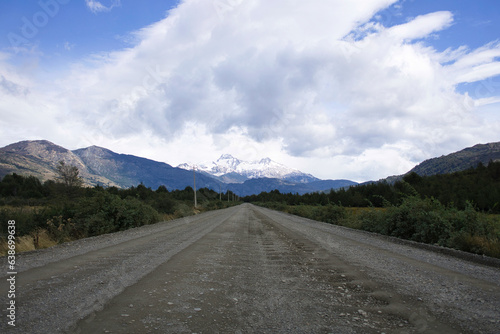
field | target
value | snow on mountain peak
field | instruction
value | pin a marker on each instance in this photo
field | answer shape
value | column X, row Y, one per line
column 264, row 168
column 226, row 157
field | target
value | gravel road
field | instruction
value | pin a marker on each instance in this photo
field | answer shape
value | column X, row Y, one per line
column 249, row 270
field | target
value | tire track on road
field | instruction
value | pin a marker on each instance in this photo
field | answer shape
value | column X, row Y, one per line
column 56, row 295
column 251, row 275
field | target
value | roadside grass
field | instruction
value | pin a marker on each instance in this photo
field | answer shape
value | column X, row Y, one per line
column 27, row 243
column 29, row 237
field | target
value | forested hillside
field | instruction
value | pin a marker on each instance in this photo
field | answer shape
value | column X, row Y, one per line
column 458, row 161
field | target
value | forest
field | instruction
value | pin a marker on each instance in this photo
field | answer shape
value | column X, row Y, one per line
column 457, row 210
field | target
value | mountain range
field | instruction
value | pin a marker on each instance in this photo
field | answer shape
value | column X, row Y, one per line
column 229, row 169
column 100, row 166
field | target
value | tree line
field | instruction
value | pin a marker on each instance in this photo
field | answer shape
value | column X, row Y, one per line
column 67, row 210
column 479, row 187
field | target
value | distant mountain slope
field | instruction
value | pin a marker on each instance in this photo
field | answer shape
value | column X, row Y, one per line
column 96, row 165
column 232, row 170
column 460, row 160
column 40, row 158
column 128, row 170
column 256, row 186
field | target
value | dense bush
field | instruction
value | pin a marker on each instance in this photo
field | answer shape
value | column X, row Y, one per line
column 163, row 203
column 332, row 213
column 20, row 186
column 24, row 217
column 105, row 213
column 418, row 220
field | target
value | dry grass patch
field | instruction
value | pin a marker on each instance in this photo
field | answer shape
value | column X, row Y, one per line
column 26, row 243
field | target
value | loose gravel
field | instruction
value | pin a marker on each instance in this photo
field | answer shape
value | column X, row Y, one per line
column 250, row 270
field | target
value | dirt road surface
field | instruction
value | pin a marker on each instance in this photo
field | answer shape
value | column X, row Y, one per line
column 249, row 270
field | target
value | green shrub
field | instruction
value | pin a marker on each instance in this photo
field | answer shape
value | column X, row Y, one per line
column 135, row 213
column 27, row 219
column 422, row 220
column 331, row 214
column 163, row 203
column 183, row 210
column 106, row 213
column 373, row 221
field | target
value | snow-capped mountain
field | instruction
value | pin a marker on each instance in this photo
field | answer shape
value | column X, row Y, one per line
column 232, row 170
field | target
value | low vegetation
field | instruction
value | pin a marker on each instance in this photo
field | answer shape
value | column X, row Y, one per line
column 62, row 210
column 458, row 210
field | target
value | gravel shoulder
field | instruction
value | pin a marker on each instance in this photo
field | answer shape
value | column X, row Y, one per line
column 249, row 270
column 448, row 288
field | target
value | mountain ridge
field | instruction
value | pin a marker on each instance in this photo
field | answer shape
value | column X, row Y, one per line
column 97, row 166
column 101, row 166
column 458, row 161
column 464, row 159
column 229, row 169
column 40, row 159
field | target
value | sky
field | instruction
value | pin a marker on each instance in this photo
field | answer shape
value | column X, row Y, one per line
column 341, row 89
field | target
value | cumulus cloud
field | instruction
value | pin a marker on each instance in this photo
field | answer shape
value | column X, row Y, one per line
column 316, row 79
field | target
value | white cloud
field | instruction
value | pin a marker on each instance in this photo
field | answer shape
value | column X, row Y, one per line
column 311, row 82
column 487, row 101
column 422, row 26
column 477, row 65
column 98, row 6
